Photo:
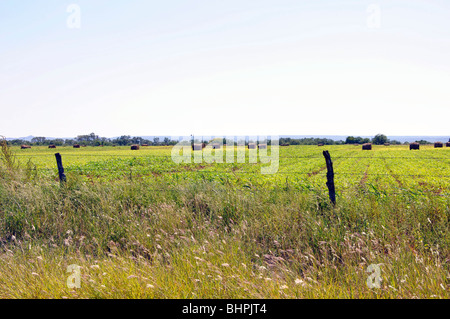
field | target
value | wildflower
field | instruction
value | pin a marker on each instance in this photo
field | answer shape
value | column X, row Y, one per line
column 150, row 286
column 299, row 281
column 225, row 265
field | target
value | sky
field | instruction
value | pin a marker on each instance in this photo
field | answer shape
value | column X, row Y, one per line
column 214, row 67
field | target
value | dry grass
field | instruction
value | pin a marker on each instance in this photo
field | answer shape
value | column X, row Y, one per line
column 205, row 240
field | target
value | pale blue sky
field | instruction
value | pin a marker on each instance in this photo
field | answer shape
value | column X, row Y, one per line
column 230, row 67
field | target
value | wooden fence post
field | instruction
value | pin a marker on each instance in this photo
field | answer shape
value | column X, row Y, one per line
column 330, row 177
column 62, row 176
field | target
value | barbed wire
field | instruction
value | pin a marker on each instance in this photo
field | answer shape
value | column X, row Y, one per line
column 280, row 157
column 311, row 173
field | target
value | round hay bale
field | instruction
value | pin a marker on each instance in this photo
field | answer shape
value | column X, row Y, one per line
column 76, row 145
column 52, row 146
column 320, row 144
column 387, row 144
column 135, row 147
column 262, row 146
column 197, row 147
column 144, row 144
column 251, row 146
column 285, row 144
column 438, row 145
column 367, row 147
column 25, row 146
column 414, row 146
column 447, row 144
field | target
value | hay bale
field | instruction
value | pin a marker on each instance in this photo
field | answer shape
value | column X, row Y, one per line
column 216, row 146
column 262, row 146
column 197, row 147
column 76, row 145
column 25, row 146
column 367, row 146
column 285, row 144
column 320, row 144
column 387, row 144
column 447, row 144
column 52, row 146
column 251, row 146
column 414, row 146
column 135, row 147
column 144, row 144
column 438, row 145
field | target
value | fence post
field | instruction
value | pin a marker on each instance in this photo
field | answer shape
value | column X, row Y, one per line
column 330, row 177
column 62, row 176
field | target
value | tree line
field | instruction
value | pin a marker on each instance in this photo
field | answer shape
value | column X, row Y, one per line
column 379, row 139
column 126, row 140
column 94, row 140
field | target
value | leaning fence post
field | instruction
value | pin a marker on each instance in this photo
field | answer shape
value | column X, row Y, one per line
column 330, row 177
column 62, row 176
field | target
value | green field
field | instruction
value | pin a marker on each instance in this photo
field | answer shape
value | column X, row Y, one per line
column 142, row 226
column 385, row 170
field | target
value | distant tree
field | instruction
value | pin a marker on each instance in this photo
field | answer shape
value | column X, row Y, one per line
column 69, row 142
column 356, row 140
column 123, row 140
column 423, row 142
column 38, row 140
column 166, row 141
column 156, row 141
column 57, row 142
column 89, row 139
column 380, row 139
column 136, row 140
column 16, row 142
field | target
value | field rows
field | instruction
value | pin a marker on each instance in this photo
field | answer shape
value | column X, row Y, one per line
column 389, row 169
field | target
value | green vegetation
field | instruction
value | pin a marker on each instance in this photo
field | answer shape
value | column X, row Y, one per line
column 126, row 140
column 141, row 226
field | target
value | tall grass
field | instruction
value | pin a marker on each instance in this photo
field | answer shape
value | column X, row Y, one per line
column 207, row 240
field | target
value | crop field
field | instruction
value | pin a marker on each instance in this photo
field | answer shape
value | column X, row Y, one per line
column 384, row 170
column 140, row 225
